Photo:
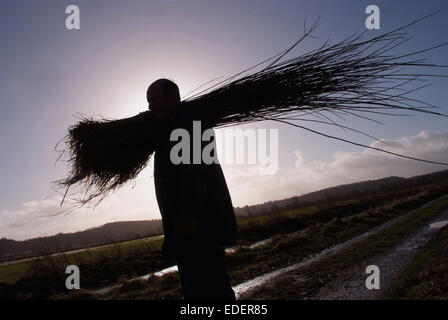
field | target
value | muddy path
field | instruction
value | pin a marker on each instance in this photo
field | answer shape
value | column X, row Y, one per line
column 248, row 289
column 350, row 282
column 351, row 285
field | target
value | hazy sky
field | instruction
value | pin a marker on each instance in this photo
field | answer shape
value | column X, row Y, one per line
column 48, row 74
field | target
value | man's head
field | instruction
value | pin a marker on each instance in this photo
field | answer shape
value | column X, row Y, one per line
column 162, row 95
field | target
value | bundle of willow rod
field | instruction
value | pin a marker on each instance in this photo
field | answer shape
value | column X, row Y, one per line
column 347, row 78
column 104, row 154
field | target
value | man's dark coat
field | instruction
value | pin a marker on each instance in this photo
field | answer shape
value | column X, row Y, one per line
column 194, row 200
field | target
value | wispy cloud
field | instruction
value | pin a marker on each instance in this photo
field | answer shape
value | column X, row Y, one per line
column 38, row 218
column 340, row 168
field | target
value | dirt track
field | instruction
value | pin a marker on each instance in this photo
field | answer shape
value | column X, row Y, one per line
column 351, row 286
column 350, row 283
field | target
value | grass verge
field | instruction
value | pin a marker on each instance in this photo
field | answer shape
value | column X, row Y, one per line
column 426, row 277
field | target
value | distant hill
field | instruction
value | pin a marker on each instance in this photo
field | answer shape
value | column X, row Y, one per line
column 127, row 230
column 340, row 191
column 107, row 233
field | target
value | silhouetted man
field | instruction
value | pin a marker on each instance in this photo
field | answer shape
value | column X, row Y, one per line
column 194, row 201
